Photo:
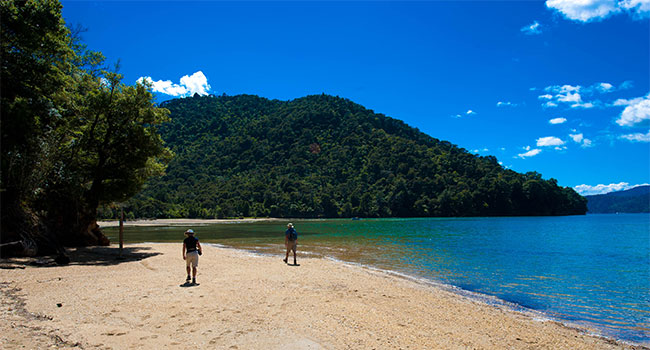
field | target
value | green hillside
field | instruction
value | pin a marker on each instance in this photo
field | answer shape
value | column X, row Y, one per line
column 325, row 156
column 634, row 200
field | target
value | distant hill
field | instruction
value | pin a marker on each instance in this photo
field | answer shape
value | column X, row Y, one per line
column 634, row 200
column 325, row 156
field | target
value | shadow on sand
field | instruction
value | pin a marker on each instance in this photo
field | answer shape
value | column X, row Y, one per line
column 189, row 284
column 96, row 256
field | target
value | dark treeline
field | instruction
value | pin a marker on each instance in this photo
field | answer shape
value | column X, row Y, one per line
column 325, row 156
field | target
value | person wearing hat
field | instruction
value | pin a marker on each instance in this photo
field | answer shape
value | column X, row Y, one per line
column 291, row 242
column 191, row 251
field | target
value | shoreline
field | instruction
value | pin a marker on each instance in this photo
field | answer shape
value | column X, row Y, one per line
column 334, row 305
column 485, row 299
column 174, row 222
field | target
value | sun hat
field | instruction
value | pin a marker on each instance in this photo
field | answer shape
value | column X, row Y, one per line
column 189, row 232
column 289, row 225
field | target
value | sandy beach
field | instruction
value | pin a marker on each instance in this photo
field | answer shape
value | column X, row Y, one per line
column 248, row 301
column 167, row 222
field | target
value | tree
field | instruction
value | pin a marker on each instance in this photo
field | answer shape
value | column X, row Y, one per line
column 73, row 136
column 111, row 148
column 36, row 70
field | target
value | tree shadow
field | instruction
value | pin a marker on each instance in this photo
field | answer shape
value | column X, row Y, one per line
column 94, row 256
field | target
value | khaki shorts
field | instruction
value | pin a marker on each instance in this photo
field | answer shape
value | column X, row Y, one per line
column 292, row 245
column 192, row 259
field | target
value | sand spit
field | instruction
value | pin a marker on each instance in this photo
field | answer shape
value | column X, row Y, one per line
column 248, row 301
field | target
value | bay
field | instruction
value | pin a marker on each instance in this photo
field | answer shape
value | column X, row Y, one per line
column 590, row 271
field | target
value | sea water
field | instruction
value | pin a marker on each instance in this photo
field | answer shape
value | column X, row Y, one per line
column 591, row 271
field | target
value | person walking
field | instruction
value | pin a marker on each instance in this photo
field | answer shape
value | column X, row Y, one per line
column 291, row 242
column 191, row 251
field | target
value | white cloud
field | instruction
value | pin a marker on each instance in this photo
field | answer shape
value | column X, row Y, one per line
column 581, row 140
column 569, row 97
column 604, row 87
column 557, row 121
column 584, row 10
column 572, row 95
column 164, row 86
column 637, row 137
column 196, row 83
column 531, row 153
column 587, row 190
column 638, row 8
column 549, row 141
column 563, row 89
column 636, row 110
column 596, row 10
column 532, row 29
column 577, row 137
column 470, row 112
column 583, row 105
column 189, row 85
column 506, row 104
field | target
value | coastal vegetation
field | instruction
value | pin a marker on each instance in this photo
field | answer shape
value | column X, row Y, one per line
column 326, row 156
column 74, row 137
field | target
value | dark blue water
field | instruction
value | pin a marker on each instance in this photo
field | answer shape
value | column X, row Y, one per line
column 591, row 271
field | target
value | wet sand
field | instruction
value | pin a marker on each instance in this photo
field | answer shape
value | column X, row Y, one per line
column 247, row 301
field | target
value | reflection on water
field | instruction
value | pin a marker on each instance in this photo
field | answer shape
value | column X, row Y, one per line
column 592, row 270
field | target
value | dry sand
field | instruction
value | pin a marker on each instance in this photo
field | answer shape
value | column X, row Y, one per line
column 247, row 301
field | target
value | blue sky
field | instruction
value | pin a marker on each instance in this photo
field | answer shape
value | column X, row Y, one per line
column 560, row 86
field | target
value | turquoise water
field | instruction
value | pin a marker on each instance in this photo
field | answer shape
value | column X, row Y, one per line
column 591, row 271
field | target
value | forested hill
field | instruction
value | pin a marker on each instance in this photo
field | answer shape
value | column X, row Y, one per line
column 325, row 156
column 634, row 200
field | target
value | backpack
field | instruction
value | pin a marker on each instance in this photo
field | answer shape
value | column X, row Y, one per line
column 293, row 235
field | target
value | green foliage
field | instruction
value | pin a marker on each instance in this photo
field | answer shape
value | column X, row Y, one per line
column 324, row 156
column 73, row 136
column 36, row 70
